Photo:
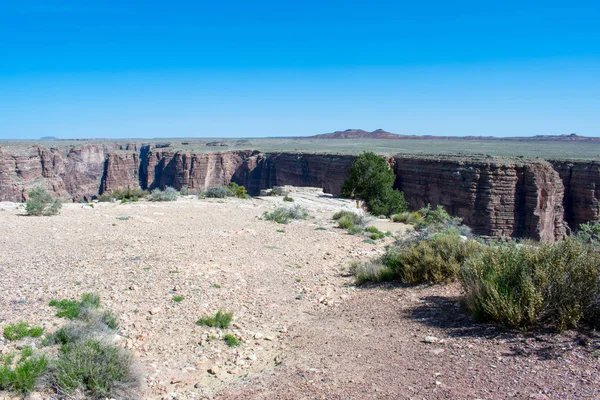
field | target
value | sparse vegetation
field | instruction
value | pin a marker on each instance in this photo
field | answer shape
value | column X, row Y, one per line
column 231, row 340
column 220, row 320
column 372, row 271
column 96, row 366
column 406, row 217
column 219, row 192
column 429, row 259
column 284, row 215
column 88, row 362
column 237, row 190
column 169, row 194
column 21, row 376
column 20, row 330
column 371, row 180
column 178, row 299
column 355, row 230
column 40, row 202
column 522, row 286
column 73, row 309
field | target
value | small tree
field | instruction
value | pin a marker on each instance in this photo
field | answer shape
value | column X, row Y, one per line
column 40, row 202
column 371, row 179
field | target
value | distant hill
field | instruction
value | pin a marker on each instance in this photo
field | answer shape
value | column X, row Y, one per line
column 381, row 134
column 357, row 134
column 49, row 138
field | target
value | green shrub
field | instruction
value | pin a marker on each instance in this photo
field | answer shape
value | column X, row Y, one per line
column 432, row 217
column 375, row 233
column 20, row 330
column 184, row 191
column 371, row 179
column 344, row 213
column 237, row 190
column 219, row 320
column 434, row 259
column 105, row 198
column 72, row 309
column 178, row 299
column 521, row 286
column 231, row 340
column 355, row 230
column 346, row 222
column 412, row 218
column 217, row 192
column 589, row 233
column 40, row 202
column 169, row 194
column 23, row 375
column 371, row 271
column 284, row 215
column 288, row 198
column 128, row 194
column 94, row 366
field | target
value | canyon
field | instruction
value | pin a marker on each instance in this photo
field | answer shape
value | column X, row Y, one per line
column 496, row 197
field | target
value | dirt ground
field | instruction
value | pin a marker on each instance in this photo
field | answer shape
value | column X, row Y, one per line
column 307, row 332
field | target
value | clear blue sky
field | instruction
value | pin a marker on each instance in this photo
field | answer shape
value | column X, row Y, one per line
column 280, row 68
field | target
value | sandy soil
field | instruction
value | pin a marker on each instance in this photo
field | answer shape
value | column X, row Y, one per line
column 307, row 331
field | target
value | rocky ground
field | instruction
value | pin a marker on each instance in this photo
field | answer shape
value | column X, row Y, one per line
column 307, row 332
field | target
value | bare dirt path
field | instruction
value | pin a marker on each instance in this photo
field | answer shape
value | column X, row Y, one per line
column 307, row 331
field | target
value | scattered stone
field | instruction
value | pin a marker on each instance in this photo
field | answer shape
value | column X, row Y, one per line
column 252, row 357
column 431, row 339
column 258, row 335
column 213, row 370
column 154, row 311
column 436, row 352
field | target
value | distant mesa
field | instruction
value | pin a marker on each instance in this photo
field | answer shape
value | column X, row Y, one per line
column 381, row 134
column 49, row 138
column 357, row 134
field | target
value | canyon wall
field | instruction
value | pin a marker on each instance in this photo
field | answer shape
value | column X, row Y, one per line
column 496, row 198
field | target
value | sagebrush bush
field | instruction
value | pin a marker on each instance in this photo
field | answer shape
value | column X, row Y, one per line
column 434, row 259
column 521, row 286
column 97, row 367
column 283, row 215
column 355, row 230
column 169, row 194
column 346, row 222
column 372, row 271
column 219, row 192
column 40, row 202
column 288, row 198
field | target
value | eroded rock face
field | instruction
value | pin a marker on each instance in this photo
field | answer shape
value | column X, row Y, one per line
column 496, row 198
column 581, row 180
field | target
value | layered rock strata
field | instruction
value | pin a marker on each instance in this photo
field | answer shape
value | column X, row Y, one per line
column 496, row 198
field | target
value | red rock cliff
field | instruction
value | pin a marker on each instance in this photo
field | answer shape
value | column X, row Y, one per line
column 494, row 197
